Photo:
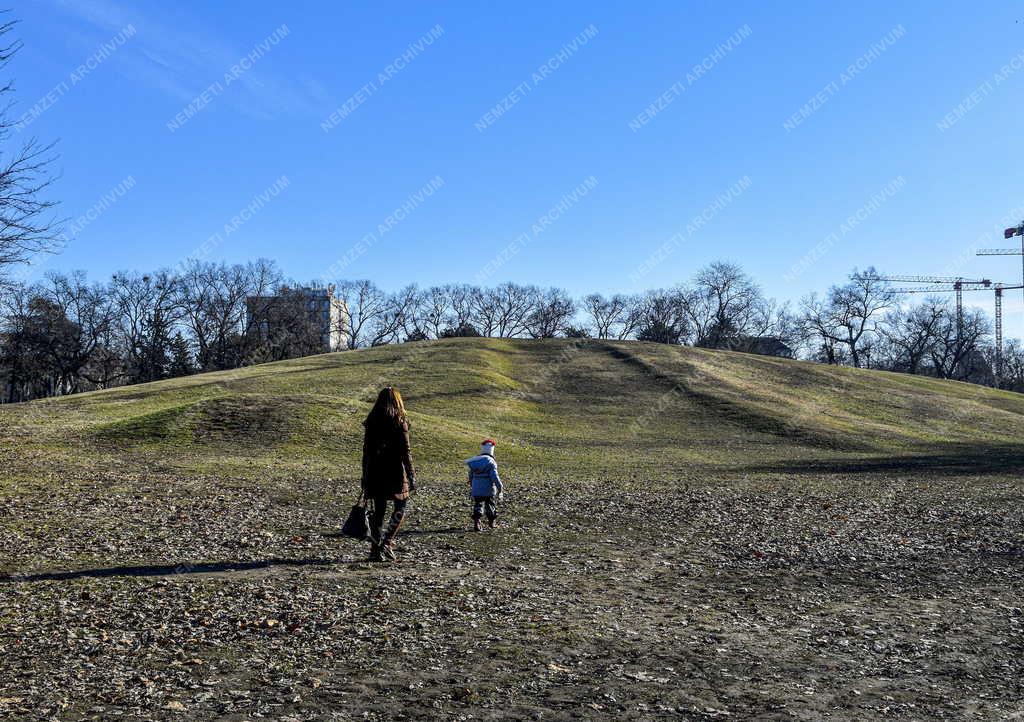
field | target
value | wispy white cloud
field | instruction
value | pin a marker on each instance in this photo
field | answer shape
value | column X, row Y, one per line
column 179, row 57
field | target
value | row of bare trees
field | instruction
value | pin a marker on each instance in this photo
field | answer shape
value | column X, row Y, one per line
column 721, row 307
column 863, row 323
column 506, row 311
column 66, row 334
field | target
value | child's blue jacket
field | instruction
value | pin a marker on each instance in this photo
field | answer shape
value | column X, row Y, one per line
column 483, row 475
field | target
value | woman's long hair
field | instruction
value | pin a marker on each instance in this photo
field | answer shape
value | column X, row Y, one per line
column 388, row 411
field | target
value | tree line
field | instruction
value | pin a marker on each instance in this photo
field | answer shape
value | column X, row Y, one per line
column 65, row 334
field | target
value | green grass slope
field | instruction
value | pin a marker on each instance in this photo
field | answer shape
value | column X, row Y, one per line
column 619, row 408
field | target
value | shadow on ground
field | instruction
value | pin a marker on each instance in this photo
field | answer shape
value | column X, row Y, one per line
column 170, row 570
column 954, row 460
column 432, row 532
column 408, row 532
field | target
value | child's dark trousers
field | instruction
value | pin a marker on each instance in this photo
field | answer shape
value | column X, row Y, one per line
column 484, row 504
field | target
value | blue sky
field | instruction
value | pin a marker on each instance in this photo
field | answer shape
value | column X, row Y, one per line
column 564, row 86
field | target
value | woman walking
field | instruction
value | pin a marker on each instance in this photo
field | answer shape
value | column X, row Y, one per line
column 388, row 474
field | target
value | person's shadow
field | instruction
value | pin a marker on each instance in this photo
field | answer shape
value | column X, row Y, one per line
column 448, row 530
column 204, row 568
column 172, row 570
column 409, row 532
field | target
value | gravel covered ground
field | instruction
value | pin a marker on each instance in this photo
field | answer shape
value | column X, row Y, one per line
column 769, row 595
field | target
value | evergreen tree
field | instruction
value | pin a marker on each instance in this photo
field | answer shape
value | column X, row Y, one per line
column 181, row 358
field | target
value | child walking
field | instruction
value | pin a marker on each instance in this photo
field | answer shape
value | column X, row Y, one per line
column 484, row 484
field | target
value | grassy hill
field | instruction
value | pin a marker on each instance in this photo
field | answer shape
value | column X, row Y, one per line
column 688, row 534
column 613, row 408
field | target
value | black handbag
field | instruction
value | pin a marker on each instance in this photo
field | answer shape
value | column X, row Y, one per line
column 357, row 525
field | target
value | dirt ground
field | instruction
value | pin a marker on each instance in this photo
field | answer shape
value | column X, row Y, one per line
column 859, row 596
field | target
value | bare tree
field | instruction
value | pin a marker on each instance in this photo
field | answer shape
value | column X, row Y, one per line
column 410, row 306
column 955, row 346
column 366, row 305
column 28, row 373
column 69, row 319
column 54, row 335
column 398, row 317
column 855, row 308
column 665, row 317
column 820, row 329
column 608, row 317
column 1013, row 366
column 147, row 309
column 434, row 310
column 484, row 310
column 631, row 317
column 724, row 305
column 912, row 333
column 107, row 366
column 776, row 320
column 553, row 312
column 461, row 304
column 216, row 298
column 513, row 305
column 27, row 223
